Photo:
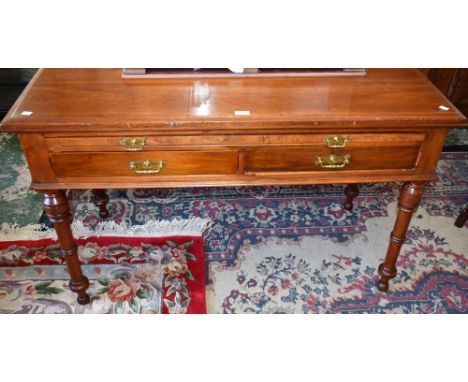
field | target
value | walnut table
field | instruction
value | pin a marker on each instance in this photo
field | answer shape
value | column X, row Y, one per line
column 92, row 129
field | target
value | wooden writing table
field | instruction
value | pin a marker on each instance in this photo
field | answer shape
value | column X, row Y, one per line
column 91, row 129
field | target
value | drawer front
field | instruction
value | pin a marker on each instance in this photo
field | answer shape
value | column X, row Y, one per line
column 144, row 164
column 319, row 158
column 146, row 143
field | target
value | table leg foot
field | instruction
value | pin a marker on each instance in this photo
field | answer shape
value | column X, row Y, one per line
column 351, row 191
column 83, row 297
column 408, row 202
column 78, row 282
column 385, row 275
column 58, row 211
column 462, row 219
column 100, row 199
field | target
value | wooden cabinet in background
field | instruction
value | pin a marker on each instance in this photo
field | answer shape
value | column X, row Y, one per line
column 453, row 83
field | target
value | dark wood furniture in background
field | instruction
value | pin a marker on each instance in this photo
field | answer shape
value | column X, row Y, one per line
column 91, row 129
column 453, row 83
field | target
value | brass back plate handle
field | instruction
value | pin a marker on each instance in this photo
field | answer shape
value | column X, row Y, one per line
column 333, row 161
column 336, row 141
column 134, row 143
column 146, row 167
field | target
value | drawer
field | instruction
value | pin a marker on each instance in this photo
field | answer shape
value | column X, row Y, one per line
column 145, row 142
column 144, row 164
column 306, row 158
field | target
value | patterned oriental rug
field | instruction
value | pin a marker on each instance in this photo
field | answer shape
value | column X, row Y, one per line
column 127, row 274
column 295, row 249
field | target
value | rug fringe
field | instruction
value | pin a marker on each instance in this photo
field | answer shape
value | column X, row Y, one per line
column 154, row 228
column 13, row 232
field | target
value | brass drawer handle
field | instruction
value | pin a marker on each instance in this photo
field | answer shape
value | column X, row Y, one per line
column 336, row 141
column 146, row 167
column 333, row 161
column 133, row 144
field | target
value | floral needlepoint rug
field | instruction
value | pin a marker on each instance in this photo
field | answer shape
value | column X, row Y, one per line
column 133, row 273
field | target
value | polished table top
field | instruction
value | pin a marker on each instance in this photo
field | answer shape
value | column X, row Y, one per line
column 87, row 99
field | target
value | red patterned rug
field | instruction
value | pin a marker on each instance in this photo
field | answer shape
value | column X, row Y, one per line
column 127, row 275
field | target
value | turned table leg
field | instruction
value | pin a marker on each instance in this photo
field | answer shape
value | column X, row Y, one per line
column 57, row 210
column 462, row 218
column 408, row 202
column 100, row 199
column 351, row 191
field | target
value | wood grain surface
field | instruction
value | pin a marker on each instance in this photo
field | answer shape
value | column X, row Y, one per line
column 90, row 99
